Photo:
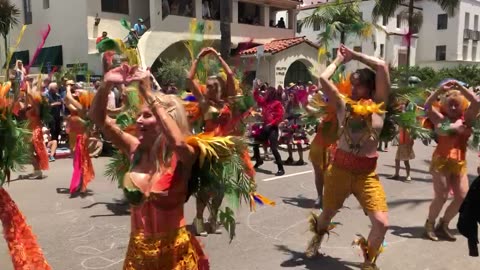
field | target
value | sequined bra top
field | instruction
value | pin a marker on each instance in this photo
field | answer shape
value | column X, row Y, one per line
column 160, row 209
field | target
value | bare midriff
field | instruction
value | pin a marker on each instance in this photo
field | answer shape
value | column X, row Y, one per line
column 369, row 145
column 149, row 219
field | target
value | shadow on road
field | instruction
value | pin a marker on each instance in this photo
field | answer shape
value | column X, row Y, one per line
column 263, row 171
column 118, row 208
column 76, row 194
column 411, row 169
column 408, row 232
column 323, row 262
column 413, row 202
column 402, row 179
column 299, row 201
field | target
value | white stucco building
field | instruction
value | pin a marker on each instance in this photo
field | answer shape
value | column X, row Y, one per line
column 76, row 24
column 442, row 41
column 387, row 42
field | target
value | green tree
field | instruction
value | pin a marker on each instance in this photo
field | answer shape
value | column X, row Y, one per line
column 173, row 71
column 8, row 19
column 339, row 19
column 387, row 8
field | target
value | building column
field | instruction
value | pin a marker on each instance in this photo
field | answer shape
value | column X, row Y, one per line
column 155, row 12
column 266, row 15
column 235, row 11
column 198, row 9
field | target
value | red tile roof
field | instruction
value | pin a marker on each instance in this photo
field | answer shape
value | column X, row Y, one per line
column 278, row 45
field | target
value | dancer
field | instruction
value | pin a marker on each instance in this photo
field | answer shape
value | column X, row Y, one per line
column 404, row 153
column 354, row 163
column 453, row 122
column 323, row 144
column 79, row 133
column 156, row 185
column 22, row 243
column 272, row 113
column 36, row 111
column 218, row 118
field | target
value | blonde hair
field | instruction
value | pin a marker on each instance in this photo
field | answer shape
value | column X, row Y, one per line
column 175, row 109
column 217, row 79
column 457, row 95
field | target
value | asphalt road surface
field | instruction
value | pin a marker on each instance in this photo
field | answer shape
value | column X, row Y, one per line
column 91, row 233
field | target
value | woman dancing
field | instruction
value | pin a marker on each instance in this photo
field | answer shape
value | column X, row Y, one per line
column 272, row 113
column 35, row 106
column 218, row 117
column 156, row 184
column 453, row 125
column 79, row 134
column 353, row 167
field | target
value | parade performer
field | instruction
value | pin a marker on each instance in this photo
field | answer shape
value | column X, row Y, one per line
column 354, row 163
column 323, row 144
column 78, row 129
column 453, row 121
column 37, row 112
column 404, row 153
column 272, row 114
column 292, row 130
column 14, row 154
column 216, row 104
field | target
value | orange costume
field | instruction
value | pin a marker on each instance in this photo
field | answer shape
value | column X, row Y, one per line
column 83, row 172
column 159, row 239
column 39, row 148
column 405, row 146
column 449, row 156
column 324, row 143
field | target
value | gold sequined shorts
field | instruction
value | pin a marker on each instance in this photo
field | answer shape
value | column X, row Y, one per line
column 340, row 183
column 170, row 251
column 448, row 166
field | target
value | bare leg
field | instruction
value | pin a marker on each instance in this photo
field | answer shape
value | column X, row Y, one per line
column 322, row 223
column 377, row 234
column 459, row 186
column 407, row 169
column 201, row 202
column 53, row 150
column 300, row 153
column 319, row 183
column 440, row 189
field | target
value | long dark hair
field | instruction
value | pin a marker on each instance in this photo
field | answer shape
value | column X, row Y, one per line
column 365, row 77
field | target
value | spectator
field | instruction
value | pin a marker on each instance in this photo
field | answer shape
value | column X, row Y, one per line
column 20, row 71
column 140, row 27
column 171, row 89
column 132, row 39
column 206, row 10
column 102, row 37
column 55, row 125
column 46, row 83
column 51, row 144
column 281, row 23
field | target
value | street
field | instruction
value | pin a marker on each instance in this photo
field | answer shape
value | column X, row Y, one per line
column 92, row 232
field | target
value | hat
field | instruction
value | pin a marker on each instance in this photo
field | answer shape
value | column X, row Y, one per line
column 69, row 82
column 291, row 84
column 310, row 82
column 140, row 20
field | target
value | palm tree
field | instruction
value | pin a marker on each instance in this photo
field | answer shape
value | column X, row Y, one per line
column 225, row 31
column 339, row 18
column 8, row 19
column 387, row 8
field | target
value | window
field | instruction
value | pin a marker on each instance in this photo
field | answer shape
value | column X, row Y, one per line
column 467, row 20
column 27, row 11
column 299, row 27
column 465, row 49
column 475, row 23
column 46, row 4
column 316, row 27
column 442, row 21
column 382, row 50
column 399, row 21
column 115, row 6
column 441, row 53
column 474, row 50
column 357, row 49
column 384, row 20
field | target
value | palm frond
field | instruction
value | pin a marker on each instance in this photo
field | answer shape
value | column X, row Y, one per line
column 417, row 17
column 385, row 8
column 450, row 6
column 117, row 168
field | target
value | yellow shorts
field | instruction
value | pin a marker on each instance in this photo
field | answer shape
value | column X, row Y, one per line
column 448, row 166
column 366, row 187
column 318, row 155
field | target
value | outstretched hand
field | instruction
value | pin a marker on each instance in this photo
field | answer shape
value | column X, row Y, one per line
column 448, row 85
column 347, row 53
column 125, row 74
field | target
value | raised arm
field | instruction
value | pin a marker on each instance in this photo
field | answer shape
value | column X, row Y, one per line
column 329, row 89
column 382, row 74
column 474, row 108
column 98, row 114
column 174, row 136
column 231, row 91
column 256, row 93
column 71, row 100
column 194, row 85
column 432, row 113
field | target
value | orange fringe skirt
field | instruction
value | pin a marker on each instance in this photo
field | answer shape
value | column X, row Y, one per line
column 39, row 148
column 22, row 243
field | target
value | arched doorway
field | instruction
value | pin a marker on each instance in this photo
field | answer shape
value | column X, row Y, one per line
column 297, row 71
